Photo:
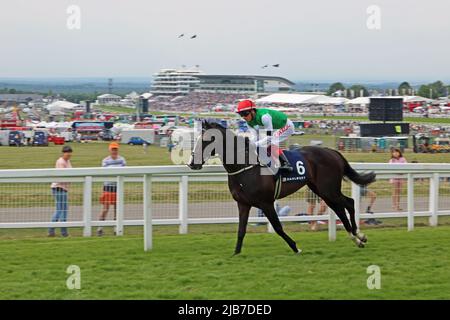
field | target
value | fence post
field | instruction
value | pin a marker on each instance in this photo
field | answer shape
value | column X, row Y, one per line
column 270, row 228
column 410, row 202
column 331, row 225
column 87, row 206
column 356, row 195
column 119, row 206
column 183, row 205
column 148, row 224
column 434, row 199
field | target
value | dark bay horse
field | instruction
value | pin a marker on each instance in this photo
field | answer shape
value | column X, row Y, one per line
column 250, row 188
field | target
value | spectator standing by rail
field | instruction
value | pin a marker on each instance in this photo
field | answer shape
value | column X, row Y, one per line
column 312, row 200
column 145, row 146
column 366, row 192
column 60, row 192
column 109, row 194
column 397, row 183
column 281, row 211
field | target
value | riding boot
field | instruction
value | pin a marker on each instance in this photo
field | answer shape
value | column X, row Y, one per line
column 285, row 165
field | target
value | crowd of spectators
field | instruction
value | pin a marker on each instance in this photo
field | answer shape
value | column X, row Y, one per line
column 334, row 127
column 195, row 101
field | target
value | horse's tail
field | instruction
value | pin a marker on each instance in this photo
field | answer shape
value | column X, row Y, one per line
column 358, row 178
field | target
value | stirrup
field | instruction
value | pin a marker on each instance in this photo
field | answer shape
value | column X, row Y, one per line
column 284, row 163
column 286, row 166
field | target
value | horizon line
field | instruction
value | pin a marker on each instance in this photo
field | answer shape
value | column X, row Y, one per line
column 149, row 78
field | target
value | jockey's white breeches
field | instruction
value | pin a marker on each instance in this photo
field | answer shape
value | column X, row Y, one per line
column 278, row 136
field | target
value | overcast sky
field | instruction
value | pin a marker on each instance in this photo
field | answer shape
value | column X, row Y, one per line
column 311, row 40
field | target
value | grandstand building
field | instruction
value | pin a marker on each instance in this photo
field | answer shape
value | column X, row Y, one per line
column 183, row 82
column 243, row 84
column 175, row 82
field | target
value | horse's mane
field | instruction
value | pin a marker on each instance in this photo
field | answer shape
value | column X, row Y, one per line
column 214, row 122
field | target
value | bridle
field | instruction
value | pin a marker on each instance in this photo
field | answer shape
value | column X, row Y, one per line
column 235, row 173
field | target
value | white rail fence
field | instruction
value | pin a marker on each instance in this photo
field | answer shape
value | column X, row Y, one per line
column 176, row 195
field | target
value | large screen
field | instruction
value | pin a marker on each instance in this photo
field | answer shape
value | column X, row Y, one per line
column 386, row 109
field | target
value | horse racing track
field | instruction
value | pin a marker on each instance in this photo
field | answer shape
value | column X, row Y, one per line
column 199, row 265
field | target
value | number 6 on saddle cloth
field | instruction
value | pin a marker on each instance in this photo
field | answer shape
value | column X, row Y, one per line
column 297, row 161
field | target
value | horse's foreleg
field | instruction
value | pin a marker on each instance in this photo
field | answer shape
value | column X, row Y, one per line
column 271, row 214
column 244, row 211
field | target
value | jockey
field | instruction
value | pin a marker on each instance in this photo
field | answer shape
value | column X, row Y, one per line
column 270, row 120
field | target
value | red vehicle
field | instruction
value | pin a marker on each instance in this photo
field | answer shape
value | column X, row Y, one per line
column 412, row 105
column 106, row 116
column 306, row 124
column 57, row 140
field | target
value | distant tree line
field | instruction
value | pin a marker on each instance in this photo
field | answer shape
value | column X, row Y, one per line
column 77, row 97
column 11, row 91
column 355, row 90
column 432, row 90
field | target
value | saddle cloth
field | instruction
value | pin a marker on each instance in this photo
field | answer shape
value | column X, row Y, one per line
column 299, row 174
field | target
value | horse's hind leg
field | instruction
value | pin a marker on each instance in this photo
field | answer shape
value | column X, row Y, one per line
column 271, row 214
column 339, row 208
column 350, row 206
column 330, row 191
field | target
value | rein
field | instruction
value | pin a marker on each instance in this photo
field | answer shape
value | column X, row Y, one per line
column 242, row 170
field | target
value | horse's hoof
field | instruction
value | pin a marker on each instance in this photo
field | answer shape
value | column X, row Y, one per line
column 363, row 238
column 299, row 251
column 361, row 245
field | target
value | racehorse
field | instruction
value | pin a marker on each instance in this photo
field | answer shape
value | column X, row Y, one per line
column 250, row 188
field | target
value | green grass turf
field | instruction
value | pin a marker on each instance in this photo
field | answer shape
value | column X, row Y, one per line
column 115, row 109
column 84, row 155
column 414, row 265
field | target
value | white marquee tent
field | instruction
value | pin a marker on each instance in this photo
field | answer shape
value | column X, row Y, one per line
column 62, row 106
column 359, row 101
column 297, row 98
column 288, row 98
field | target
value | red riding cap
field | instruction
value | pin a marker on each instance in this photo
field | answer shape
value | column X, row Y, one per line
column 245, row 105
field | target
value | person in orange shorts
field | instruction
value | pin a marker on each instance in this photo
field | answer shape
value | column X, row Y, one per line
column 109, row 194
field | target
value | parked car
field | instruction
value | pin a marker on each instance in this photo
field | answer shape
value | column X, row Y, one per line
column 137, row 141
column 441, row 145
column 106, row 135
